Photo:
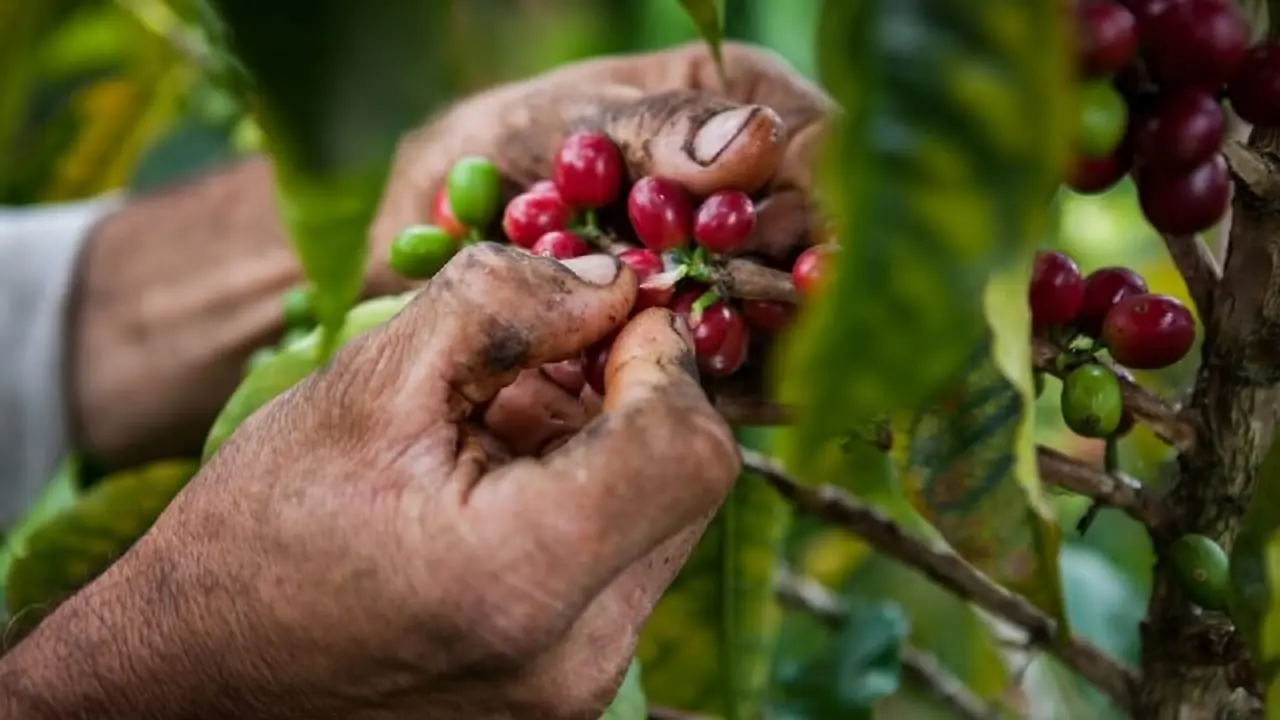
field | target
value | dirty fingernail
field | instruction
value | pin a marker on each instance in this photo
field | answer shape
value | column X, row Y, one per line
column 598, row 269
column 719, row 132
column 682, row 329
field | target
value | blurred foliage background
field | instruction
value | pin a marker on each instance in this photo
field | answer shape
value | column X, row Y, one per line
column 103, row 95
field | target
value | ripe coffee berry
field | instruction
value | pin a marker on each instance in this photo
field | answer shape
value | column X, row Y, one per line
column 1194, row 43
column 1149, row 331
column 1108, row 37
column 588, row 170
column 732, row 354
column 724, row 221
column 661, row 213
column 443, row 217
column 1255, row 89
column 711, row 327
column 768, row 316
column 561, row 245
column 1095, row 175
column 1183, row 202
column 808, row 270
column 530, row 216
column 1056, row 290
column 1184, row 130
column 1104, row 288
column 543, row 186
column 646, row 264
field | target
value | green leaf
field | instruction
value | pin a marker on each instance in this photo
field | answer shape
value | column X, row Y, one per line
column 187, row 148
column 849, row 672
column 972, row 459
column 286, row 368
column 334, row 86
column 74, row 546
column 59, row 494
column 708, row 15
column 708, row 644
column 630, row 702
column 939, row 171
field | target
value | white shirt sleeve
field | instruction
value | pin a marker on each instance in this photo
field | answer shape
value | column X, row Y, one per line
column 38, row 251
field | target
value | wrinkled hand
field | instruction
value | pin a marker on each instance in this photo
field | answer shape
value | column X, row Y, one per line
column 669, row 115
column 368, row 544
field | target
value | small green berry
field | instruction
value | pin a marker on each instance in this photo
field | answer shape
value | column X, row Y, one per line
column 473, row 190
column 1202, row 570
column 259, row 356
column 420, row 251
column 1092, row 403
column 1104, row 116
column 299, row 307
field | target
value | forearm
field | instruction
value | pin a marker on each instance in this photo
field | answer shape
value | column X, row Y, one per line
column 173, row 292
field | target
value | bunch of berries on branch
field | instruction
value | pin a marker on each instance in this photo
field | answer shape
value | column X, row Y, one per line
column 676, row 243
column 1155, row 73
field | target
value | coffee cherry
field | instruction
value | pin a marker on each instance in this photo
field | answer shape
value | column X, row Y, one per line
column 711, row 327
column 530, row 216
column 543, row 186
column 442, row 215
column 1183, row 202
column 299, row 307
column 1202, row 569
column 1149, row 331
column 645, row 264
column 1255, row 89
column 768, row 316
column 1056, row 290
column 420, row 251
column 1184, row 130
column 809, row 268
column 588, row 170
column 1144, row 11
column 561, row 245
column 594, row 360
column 1095, row 175
column 1102, row 121
column 731, row 356
column 724, row 221
column 1194, row 43
column 1104, row 288
column 1126, row 418
column 1108, row 37
column 1091, row 401
column 661, row 213
column 472, row 187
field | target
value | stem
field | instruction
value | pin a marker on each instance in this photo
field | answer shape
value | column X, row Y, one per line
column 1111, row 464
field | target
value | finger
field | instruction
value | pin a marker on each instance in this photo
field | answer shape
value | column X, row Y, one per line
column 567, row 374
column 784, row 225
column 532, row 412
column 494, row 311
column 658, row 458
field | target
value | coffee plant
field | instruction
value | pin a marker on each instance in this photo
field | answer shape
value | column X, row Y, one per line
column 915, row 533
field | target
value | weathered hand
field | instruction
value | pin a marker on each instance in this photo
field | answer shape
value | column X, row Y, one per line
column 365, row 546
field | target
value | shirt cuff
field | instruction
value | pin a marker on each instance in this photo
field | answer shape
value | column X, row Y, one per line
column 39, row 247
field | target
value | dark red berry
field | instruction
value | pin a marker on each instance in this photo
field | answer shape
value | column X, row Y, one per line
column 711, row 327
column 1255, row 89
column 542, row 186
column 1149, row 331
column 1094, row 175
column 808, row 270
column 1194, row 43
column 768, row 316
column 1108, row 37
column 1056, row 290
column 1103, row 289
column 732, row 354
column 724, row 221
column 442, row 215
column 1183, row 202
column 1144, row 11
column 646, row 264
column 529, row 216
column 588, row 170
column 594, row 360
column 561, row 245
column 661, row 213
column 1184, row 130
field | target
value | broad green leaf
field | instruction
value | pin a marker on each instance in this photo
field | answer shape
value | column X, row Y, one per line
column 334, row 85
column 289, row 366
column 849, row 671
column 185, row 149
column 59, row 494
column 74, row 546
column 708, row 15
column 708, row 644
column 630, row 702
column 939, row 171
column 972, row 467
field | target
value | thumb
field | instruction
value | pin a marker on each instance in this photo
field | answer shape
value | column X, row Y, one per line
column 701, row 141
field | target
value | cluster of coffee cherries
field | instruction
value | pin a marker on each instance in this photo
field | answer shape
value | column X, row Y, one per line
column 1110, row 309
column 1155, row 72
column 674, row 242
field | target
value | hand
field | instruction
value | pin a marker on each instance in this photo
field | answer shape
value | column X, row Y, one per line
column 365, row 546
column 668, row 113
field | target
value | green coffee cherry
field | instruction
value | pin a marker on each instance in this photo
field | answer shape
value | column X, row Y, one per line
column 1202, row 570
column 1104, row 116
column 259, row 356
column 1092, row 403
column 299, row 307
column 293, row 336
column 473, row 190
column 419, row 251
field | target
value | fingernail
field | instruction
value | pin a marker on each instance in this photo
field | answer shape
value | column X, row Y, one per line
column 719, row 132
column 682, row 329
column 598, row 269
